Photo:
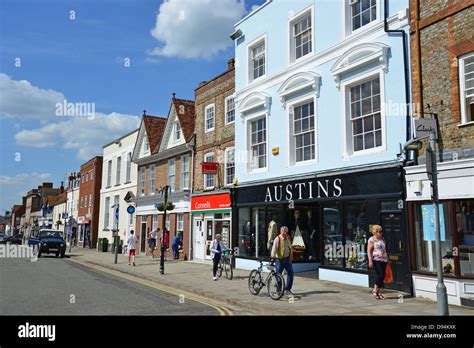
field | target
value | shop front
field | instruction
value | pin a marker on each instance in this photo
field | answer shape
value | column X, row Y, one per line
column 84, row 231
column 456, row 221
column 329, row 219
column 211, row 214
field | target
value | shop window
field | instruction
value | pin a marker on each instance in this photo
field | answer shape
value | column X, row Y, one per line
column 465, row 236
column 302, row 226
column 333, row 241
column 425, row 238
column 246, row 241
column 356, row 236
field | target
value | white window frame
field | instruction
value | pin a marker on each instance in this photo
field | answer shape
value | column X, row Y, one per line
column 250, row 47
column 90, row 200
column 290, row 37
column 227, row 150
column 168, row 222
column 210, row 106
column 185, row 183
column 107, row 212
column 118, row 170
column 290, row 135
column 146, row 144
column 128, row 177
column 109, row 173
column 177, row 130
column 206, row 174
column 462, row 88
column 173, row 187
column 152, row 179
column 154, row 222
column 248, row 153
column 180, row 224
column 347, row 140
column 141, row 181
column 226, row 110
column 116, row 202
column 347, row 19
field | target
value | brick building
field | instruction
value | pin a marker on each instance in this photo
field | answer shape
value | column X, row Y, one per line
column 89, row 201
column 442, row 61
column 163, row 153
column 18, row 211
column 214, row 129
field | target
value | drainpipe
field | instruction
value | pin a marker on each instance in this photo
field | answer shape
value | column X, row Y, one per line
column 405, row 65
column 191, row 191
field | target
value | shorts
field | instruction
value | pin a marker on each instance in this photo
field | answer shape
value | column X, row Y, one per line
column 131, row 252
column 152, row 243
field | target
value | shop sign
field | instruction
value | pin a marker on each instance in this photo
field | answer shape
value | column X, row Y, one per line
column 211, row 202
column 424, row 126
column 80, row 219
column 209, row 167
column 344, row 186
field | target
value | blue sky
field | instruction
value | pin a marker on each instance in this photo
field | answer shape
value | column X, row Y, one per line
column 121, row 56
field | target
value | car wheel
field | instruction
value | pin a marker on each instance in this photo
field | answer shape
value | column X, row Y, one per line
column 62, row 255
column 57, row 254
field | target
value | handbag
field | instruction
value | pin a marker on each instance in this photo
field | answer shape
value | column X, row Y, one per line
column 388, row 274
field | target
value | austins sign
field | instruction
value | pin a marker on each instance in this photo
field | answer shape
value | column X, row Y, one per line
column 304, row 190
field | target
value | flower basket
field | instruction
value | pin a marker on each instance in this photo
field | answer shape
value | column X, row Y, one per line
column 170, row 206
column 161, row 206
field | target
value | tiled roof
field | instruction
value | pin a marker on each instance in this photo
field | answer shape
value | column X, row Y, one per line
column 55, row 200
column 186, row 116
column 154, row 126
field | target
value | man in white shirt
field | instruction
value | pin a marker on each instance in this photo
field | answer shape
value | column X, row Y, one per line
column 152, row 241
column 131, row 243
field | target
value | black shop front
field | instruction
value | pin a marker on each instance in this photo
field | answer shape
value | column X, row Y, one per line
column 329, row 217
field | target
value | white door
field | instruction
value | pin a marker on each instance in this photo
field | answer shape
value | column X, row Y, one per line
column 198, row 238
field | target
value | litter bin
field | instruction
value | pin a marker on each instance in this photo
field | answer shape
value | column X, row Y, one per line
column 99, row 245
column 105, row 245
column 119, row 248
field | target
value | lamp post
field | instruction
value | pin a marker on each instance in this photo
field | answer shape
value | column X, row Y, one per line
column 432, row 171
column 164, row 192
column 115, row 231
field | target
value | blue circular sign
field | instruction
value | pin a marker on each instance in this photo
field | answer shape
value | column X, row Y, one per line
column 130, row 209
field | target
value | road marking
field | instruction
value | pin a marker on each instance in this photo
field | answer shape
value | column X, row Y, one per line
column 223, row 311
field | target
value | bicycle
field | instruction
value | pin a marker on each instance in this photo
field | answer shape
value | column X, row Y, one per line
column 225, row 264
column 274, row 282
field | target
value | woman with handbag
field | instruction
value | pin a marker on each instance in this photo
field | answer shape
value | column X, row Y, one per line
column 378, row 259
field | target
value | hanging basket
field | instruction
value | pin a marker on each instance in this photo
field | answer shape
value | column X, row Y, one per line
column 170, row 206
column 160, row 207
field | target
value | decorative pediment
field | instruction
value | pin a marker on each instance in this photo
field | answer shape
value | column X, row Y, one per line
column 358, row 56
column 297, row 83
column 254, row 100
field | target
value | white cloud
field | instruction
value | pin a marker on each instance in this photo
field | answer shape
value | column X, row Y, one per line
column 195, row 28
column 12, row 188
column 22, row 99
column 86, row 135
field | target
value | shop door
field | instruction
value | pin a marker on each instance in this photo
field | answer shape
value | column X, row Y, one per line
column 143, row 238
column 397, row 248
column 199, row 241
column 209, row 237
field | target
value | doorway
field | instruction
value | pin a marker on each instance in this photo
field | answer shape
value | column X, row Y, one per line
column 143, row 237
column 198, row 240
column 397, row 248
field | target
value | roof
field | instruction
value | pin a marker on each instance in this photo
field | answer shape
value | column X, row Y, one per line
column 154, row 126
column 123, row 136
column 186, row 116
column 51, row 201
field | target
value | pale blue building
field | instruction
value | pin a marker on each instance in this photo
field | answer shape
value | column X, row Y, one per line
column 321, row 112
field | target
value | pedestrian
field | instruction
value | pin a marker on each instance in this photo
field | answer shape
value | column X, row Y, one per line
column 216, row 247
column 131, row 245
column 377, row 254
column 283, row 253
column 152, row 241
column 175, row 245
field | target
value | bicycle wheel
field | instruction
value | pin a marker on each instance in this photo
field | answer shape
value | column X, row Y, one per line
column 219, row 269
column 255, row 282
column 228, row 269
column 276, row 286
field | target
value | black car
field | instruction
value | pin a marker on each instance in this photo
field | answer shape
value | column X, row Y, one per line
column 49, row 242
column 16, row 239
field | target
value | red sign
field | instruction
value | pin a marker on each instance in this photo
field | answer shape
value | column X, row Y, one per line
column 212, row 202
column 209, row 167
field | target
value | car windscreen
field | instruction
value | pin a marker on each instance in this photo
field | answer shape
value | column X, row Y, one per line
column 53, row 234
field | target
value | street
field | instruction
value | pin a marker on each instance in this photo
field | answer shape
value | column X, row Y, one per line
column 54, row 286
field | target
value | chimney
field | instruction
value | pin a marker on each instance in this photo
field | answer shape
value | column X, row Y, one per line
column 202, row 83
column 231, row 64
column 61, row 189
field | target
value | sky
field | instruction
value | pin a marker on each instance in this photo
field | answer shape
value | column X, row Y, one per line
column 116, row 58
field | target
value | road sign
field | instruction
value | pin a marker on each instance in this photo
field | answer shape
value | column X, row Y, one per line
column 424, row 126
column 130, row 209
column 117, row 213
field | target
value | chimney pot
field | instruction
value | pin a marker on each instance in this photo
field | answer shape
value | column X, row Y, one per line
column 231, row 64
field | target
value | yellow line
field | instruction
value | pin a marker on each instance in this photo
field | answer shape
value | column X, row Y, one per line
column 223, row 311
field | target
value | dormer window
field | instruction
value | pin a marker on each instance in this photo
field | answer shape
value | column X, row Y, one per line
column 177, row 131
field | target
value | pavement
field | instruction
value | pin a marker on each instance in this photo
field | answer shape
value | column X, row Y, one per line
column 311, row 296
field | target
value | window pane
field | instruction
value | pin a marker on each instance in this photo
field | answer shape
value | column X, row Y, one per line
column 355, row 93
column 366, row 106
column 378, row 121
column 368, row 123
column 332, row 236
column 366, row 92
column 357, row 124
column 465, row 233
column 376, row 103
column 356, row 236
column 378, row 138
column 369, row 140
column 358, row 143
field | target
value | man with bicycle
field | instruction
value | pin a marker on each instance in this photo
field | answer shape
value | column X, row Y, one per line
column 282, row 252
column 216, row 248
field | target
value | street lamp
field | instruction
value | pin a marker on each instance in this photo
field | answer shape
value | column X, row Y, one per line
column 115, row 230
column 164, row 192
column 432, row 171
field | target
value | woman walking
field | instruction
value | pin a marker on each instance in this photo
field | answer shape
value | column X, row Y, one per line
column 378, row 259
